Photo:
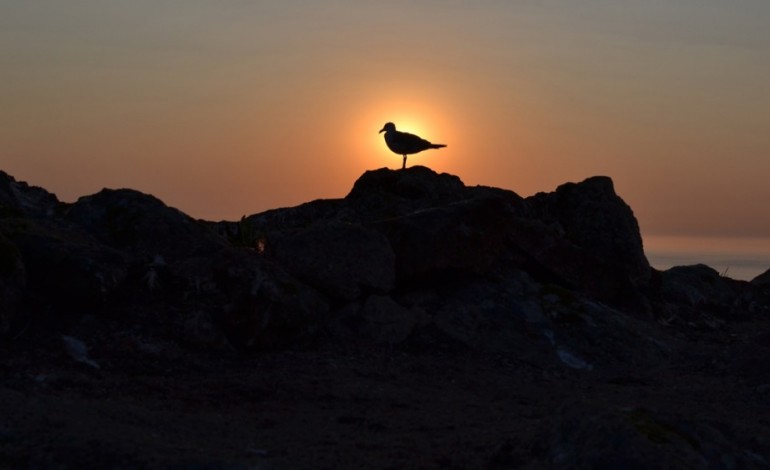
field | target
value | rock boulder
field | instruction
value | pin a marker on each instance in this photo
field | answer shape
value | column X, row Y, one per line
column 12, row 282
column 18, row 199
column 341, row 259
column 142, row 226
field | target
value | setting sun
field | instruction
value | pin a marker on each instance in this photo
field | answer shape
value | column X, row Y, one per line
column 417, row 117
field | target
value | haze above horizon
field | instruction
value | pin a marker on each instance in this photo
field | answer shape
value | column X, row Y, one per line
column 229, row 108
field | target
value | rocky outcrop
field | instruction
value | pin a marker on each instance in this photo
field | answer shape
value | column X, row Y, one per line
column 467, row 237
column 408, row 257
column 378, row 320
column 383, row 193
column 68, row 273
column 64, row 270
column 587, row 236
column 592, row 216
column 12, row 282
column 141, row 226
column 341, row 259
column 18, row 199
column 262, row 306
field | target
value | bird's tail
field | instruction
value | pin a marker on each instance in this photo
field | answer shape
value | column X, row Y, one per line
column 437, row 146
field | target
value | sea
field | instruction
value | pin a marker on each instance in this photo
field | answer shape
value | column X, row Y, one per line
column 740, row 258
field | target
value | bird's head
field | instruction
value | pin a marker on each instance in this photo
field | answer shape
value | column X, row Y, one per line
column 389, row 126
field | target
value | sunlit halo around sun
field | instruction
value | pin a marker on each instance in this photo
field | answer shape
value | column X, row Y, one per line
column 403, row 123
column 418, row 111
column 375, row 152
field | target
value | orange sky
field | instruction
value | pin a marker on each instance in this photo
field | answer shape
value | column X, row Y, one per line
column 229, row 108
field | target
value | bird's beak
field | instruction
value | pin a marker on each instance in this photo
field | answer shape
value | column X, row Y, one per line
column 381, row 130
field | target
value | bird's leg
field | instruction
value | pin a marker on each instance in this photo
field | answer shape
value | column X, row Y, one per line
column 404, row 164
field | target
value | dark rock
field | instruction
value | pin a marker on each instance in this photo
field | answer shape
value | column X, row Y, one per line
column 698, row 286
column 12, row 282
column 547, row 324
column 386, row 193
column 68, row 272
column 589, row 437
column 484, row 316
column 550, row 258
column 577, row 324
column 501, row 316
column 343, row 260
column 593, row 217
column 301, row 216
column 587, row 238
column 18, row 199
column 583, row 238
column 762, row 281
column 379, row 320
column 406, row 257
column 757, row 298
column 265, row 308
column 142, row 225
column 251, row 231
column 468, row 236
column 198, row 330
column 698, row 295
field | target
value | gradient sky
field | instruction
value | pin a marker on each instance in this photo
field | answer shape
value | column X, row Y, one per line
column 232, row 107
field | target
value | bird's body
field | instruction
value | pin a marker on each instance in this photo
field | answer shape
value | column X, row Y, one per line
column 404, row 143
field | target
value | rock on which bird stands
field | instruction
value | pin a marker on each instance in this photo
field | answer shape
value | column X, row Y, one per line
column 387, row 193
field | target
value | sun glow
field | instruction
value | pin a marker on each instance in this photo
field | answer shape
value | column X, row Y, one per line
column 418, row 117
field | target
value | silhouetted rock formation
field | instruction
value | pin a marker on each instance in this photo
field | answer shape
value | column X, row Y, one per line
column 17, row 198
column 12, row 282
column 413, row 247
column 141, row 226
column 410, row 260
column 343, row 260
column 593, row 217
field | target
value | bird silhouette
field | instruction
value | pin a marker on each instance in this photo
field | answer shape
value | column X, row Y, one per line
column 404, row 143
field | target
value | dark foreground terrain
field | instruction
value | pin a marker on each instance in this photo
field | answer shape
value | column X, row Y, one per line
column 382, row 409
column 415, row 323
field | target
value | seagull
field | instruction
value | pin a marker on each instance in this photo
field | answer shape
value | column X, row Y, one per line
column 404, row 143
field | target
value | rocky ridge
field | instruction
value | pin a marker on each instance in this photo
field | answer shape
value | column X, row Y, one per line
column 410, row 261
